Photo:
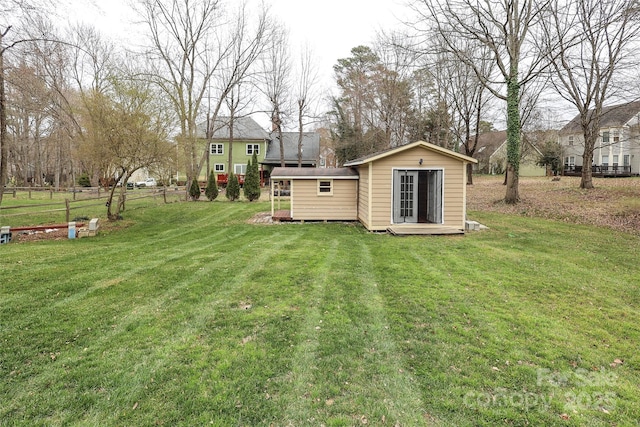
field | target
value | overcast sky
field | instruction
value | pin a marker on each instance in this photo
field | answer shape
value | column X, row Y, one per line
column 330, row 27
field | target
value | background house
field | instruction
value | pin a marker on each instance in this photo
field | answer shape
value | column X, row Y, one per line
column 529, row 154
column 617, row 150
column 488, row 143
column 248, row 137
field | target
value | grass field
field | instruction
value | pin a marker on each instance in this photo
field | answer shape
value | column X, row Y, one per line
column 194, row 316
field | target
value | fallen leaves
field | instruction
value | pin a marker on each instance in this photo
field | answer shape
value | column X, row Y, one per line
column 603, row 206
column 616, row 363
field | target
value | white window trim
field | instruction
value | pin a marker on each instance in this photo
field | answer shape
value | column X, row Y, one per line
column 325, row 193
column 217, row 145
column 241, row 166
column 250, row 148
column 215, row 167
column 436, row 168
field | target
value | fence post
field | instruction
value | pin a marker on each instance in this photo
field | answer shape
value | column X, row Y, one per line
column 67, row 205
column 50, row 193
column 164, row 194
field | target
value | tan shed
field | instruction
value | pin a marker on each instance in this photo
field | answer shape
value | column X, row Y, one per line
column 418, row 188
column 313, row 194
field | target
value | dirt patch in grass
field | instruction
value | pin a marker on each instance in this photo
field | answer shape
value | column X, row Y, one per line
column 614, row 203
column 63, row 233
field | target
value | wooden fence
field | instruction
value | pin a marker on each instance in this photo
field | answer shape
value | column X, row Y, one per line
column 78, row 199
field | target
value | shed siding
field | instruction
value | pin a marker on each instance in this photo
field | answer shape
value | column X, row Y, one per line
column 381, row 186
column 306, row 204
column 363, row 195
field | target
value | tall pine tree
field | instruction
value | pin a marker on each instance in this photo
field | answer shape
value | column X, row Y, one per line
column 252, row 180
column 233, row 187
column 212, row 187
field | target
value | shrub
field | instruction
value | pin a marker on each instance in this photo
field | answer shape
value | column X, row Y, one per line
column 212, row 187
column 252, row 180
column 84, row 181
column 233, row 187
column 194, row 189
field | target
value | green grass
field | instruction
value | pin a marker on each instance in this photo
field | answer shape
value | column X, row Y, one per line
column 192, row 316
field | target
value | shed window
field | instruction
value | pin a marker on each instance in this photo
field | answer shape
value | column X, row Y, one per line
column 325, row 187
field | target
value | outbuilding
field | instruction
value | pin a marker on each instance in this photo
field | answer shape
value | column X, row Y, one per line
column 315, row 194
column 418, row 188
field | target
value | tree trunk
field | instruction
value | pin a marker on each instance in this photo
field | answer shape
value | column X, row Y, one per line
column 586, row 180
column 469, row 173
column 513, row 138
column 512, row 186
column 4, row 151
column 300, row 136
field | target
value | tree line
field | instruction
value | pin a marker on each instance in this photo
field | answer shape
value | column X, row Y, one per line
column 454, row 62
column 73, row 102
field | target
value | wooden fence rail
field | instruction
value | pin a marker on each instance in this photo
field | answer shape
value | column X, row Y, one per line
column 68, row 205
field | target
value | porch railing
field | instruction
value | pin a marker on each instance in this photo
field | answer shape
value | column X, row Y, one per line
column 609, row 170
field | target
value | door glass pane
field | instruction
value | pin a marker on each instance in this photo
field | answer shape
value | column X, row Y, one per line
column 406, row 195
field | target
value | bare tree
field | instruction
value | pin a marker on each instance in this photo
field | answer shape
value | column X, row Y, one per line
column 185, row 52
column 128, row 128
column 228, row 87
column 505, row 29
column 307, row 80
column 590, row 43
column 276, row 85
column 469, row 102
column 12, row 34
column 196, row 50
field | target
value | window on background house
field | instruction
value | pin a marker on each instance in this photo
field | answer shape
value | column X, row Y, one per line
column 626, row 160
column 605, row 160
column 570, row 161
column 239, row 169
column 570, row 140
column 253, row 148
column 605, row 137
column 325, row 187
column 216, row 149
column 615, row 160
column 616, row 137
column 218, row 167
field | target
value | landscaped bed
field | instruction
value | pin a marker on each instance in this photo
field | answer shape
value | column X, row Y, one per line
column 191, row 315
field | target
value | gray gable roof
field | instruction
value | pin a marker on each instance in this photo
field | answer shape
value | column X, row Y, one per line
column 244, row 128
column 612, row 116
column 310, row 148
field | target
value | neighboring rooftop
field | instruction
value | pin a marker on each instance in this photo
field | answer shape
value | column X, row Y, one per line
column 310, row 149
column 612, row 116
column 244, row 128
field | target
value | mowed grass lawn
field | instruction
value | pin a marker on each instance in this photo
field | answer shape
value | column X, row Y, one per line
column 193, row 316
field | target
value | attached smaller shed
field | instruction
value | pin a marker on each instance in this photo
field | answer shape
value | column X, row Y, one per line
column 313, row 194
